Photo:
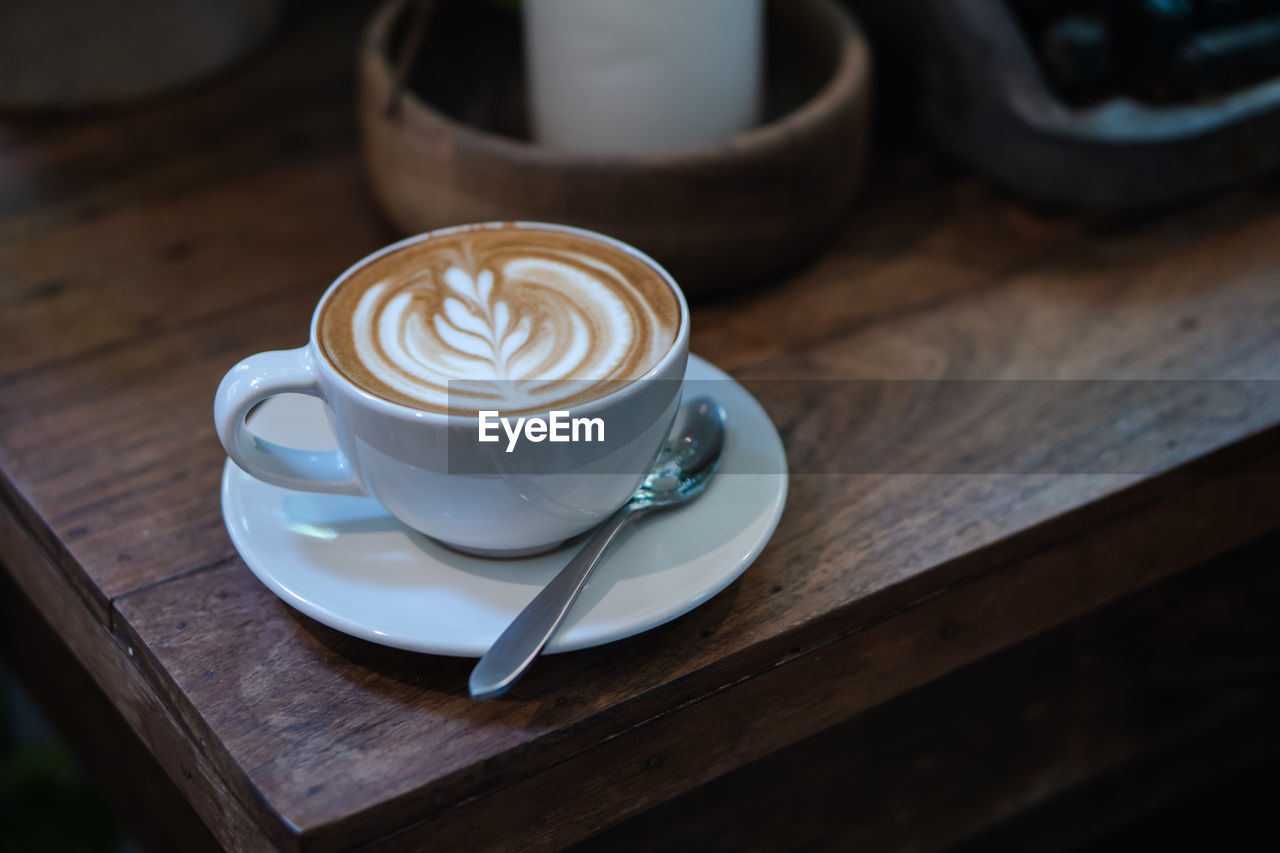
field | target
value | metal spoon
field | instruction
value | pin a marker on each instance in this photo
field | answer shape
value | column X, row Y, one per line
column 681, row 473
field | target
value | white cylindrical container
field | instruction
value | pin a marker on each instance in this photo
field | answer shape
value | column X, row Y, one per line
column 629, row 76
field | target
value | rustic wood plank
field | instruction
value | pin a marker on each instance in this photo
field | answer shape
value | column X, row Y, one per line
column 113, row 670
column 132, row 276
column 121, row 516
column 964, row 283
column 1132, row 706
column 155, row 267
column 575, row 751
column 148, row 226
column 148, row 509
column 154, row 811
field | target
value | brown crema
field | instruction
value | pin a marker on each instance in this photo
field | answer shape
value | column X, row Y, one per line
column 460, row 322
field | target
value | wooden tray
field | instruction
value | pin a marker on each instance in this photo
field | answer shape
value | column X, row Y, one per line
column 454, row 147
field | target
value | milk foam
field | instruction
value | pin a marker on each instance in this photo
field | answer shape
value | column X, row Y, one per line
column 490, row 323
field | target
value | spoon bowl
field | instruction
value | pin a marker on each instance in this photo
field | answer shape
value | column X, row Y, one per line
column 686, row 464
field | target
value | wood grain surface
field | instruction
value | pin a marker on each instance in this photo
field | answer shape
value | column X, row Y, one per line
column 1115, row 714
column 143, row 253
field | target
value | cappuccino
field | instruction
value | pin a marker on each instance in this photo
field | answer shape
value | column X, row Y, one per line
column 511, row 316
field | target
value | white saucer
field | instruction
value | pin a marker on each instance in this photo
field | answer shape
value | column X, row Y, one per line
column 345, row 562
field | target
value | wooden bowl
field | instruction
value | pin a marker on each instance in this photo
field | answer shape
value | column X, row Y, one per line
column 455, row 148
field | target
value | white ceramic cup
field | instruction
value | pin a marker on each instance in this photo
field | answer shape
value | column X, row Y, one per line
column 428, row 469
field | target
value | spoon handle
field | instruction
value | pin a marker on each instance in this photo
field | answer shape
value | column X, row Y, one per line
column 511, row 654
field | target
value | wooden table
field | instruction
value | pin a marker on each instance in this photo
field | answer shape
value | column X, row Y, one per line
column 143, row 252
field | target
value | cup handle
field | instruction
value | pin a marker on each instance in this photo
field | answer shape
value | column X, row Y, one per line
column 249, row 383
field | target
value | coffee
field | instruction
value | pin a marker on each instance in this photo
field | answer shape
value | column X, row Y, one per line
column 569, row 316
column 465, row 320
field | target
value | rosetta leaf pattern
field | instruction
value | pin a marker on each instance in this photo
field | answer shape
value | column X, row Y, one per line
column 477, row 325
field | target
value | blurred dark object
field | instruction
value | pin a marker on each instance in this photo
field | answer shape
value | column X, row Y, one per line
column 80, row 53
column 46, row 801
column 453, row 146
column 73, row 774
column 1115, row 103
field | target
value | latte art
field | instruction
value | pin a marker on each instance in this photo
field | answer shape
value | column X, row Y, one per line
column 511, row 318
